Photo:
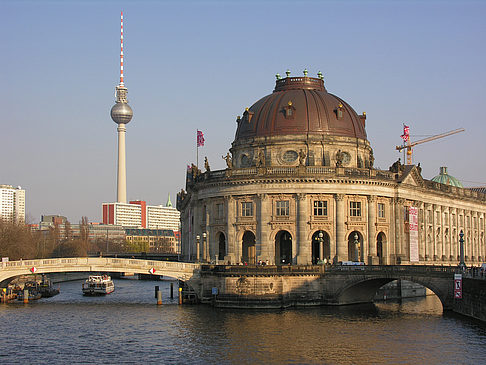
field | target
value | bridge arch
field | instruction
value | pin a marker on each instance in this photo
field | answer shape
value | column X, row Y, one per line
column 358, row 289
column 178, row 270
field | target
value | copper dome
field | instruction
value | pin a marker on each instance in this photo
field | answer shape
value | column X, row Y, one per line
column 299, row 106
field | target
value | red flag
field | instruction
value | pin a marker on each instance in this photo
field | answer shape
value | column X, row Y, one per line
column 406, row 133
column 200, row 139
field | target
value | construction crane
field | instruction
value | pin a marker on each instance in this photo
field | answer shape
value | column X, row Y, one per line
column 407, row 144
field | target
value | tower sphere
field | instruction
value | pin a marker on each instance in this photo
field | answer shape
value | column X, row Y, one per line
column 121, row 113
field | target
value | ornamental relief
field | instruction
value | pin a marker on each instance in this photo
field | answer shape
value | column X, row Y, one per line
column 319, row 226
column 356, row 224
column 282, row 225
column 240, row 223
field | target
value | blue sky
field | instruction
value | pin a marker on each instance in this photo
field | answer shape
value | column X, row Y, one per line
column 197, row 64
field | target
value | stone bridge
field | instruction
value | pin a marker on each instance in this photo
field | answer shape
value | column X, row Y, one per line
column 177, row 270
column 284, row 286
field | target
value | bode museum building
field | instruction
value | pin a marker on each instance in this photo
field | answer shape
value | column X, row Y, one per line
column 300, row 188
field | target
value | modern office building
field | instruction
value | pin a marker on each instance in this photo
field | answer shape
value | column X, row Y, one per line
column 300, row 186
column 12, row 204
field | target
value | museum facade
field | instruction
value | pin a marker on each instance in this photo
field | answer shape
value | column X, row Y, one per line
column 300, row 187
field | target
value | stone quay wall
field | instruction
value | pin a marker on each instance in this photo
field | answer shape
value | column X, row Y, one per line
column 473, row 302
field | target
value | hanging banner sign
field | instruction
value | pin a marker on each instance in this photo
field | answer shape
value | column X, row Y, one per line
column 458, row 286
column 413, row 233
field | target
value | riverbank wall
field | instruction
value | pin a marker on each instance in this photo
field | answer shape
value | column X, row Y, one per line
column 473, row 301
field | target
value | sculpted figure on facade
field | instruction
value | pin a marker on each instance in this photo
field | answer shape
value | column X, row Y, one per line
column 302, row 157
column 261, row 159
column 339, row 158
column 372, row 159
column 206, row 164
column 229, row 160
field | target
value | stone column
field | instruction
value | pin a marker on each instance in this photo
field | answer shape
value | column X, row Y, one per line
column 452, row 235
column 304, row 249
column 372, row 257
column 422, row 232
column 399, row 223
column 474, row 230
column 442, row 243
column 340, row 242
column 264, row 215
column 321, row 250
column 390, row 245
column 207, row 253
column 232, row 255
column 434, row 233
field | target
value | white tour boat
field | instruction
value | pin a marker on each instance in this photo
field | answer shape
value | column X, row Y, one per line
column 98, row 285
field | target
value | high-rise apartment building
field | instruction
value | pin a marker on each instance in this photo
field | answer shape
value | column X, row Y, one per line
column 12, row 204
column 137, row 214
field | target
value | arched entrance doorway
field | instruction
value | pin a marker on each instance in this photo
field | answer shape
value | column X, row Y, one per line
column 221, row 246
column 380, row 241
column 249, row 249
column 283, row 248
column 355, row 252
column 321, row 246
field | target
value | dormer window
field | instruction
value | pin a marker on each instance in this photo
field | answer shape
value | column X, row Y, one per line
column 289, row 110
column 339, row 111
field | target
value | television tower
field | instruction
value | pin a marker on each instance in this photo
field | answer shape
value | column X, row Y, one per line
column 121, row 113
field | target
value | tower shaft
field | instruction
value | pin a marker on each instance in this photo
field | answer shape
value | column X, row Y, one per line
column 121, row 196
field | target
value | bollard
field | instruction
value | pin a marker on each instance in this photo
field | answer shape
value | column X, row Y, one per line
column 26, row 296
column 171, row 290
column 180, row 296
column 156, row 290
column 159, row 297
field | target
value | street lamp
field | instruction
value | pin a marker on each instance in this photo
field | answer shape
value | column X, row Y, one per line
column 197, row 247
column 205, row 248
column 357, row 247
column 461, row 247
column 321, row 247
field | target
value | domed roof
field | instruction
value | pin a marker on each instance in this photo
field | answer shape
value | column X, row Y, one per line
column 446, row 179
column 300, row 105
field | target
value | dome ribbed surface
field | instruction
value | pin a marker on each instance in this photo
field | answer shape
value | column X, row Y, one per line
column 313, row 111
column 445, row 178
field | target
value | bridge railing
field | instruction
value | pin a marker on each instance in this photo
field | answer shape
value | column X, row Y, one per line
column 99, row 261
column 262, row 269
column 396, row 269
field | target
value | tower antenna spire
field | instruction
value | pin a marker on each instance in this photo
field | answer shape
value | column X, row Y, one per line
column 121, row 49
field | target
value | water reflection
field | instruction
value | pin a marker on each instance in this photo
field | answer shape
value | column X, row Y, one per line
column 132, row 329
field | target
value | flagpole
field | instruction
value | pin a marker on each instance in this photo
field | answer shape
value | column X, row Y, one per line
column 197, row 149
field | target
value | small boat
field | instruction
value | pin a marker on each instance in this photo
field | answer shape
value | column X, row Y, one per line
column 98, row 285
column 46, row 289
column 32, row 287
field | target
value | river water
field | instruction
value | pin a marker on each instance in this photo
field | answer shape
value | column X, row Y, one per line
column 127, row 327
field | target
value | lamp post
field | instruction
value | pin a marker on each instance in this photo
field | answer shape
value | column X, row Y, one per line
column 461, row 248
column 357, row 247
column 205, row 248
column 197, row 247
column 321, row 246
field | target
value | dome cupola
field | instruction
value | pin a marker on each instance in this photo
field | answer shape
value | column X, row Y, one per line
column 445, row 178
